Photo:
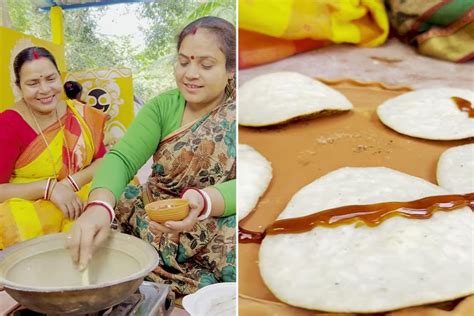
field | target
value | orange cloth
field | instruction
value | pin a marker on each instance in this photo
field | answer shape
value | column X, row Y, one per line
column 256, row 49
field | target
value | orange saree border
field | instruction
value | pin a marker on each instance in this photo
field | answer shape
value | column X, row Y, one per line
column 95, row 121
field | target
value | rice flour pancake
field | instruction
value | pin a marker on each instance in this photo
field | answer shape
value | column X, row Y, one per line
column 456, row 169
column 355, row 268
column 255, row 173
column 282, row 96
column 429, row 114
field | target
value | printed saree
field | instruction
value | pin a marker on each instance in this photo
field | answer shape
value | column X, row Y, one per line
column 200, row 154
column 68, row 150
column 442, row 29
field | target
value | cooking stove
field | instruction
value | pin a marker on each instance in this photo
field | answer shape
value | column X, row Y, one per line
column 151, row 299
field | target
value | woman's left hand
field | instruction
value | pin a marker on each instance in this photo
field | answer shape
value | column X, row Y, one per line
column 196, row 205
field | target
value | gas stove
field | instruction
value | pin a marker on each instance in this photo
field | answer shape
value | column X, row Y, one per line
column 151, row 299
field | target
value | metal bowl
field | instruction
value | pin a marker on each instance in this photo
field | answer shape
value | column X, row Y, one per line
column 40, row 274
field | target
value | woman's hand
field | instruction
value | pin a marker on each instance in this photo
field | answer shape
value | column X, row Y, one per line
column 87, row 234
column 67, row 183
column 196, row 205
column 66, row 200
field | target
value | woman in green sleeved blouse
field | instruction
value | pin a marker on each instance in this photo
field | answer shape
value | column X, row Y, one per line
column 190, row 132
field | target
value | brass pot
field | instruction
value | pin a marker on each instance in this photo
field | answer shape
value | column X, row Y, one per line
column 40, row 274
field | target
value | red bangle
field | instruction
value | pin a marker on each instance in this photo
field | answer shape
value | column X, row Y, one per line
column 50, row 184
column 73, row 183
column 46, row 189
column 200, row 193
column 51, row 187
column 108, row 207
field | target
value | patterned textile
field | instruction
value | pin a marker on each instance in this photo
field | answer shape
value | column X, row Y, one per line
column 200, row 154
column 72, row 148
column 442, row 29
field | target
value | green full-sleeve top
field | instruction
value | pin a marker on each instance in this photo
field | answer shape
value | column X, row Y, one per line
column 158, row 118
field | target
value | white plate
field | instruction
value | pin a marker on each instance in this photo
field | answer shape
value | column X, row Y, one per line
column 213, row 300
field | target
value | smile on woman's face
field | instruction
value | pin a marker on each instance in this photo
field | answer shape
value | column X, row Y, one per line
column 200, row 71
column 40, row 85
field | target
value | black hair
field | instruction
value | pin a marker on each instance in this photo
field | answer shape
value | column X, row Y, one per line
column 224, row 31
column 29, row 54
column 73, row 90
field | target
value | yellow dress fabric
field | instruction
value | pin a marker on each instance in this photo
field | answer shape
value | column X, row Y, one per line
column 22, row 219
column 362, row 22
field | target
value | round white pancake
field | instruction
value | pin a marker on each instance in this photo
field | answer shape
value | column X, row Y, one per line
column 254, row 174
column 281, row 96
column 429, row 114
column 456, row 169
column 401, row 262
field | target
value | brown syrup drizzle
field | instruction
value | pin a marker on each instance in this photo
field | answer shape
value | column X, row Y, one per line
column 464, row 105
column 248, row 236
column 370, row 215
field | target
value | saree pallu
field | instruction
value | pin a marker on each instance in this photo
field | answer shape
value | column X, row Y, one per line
column 271, row 30
column 198, row 155
column 442, row 29
column 68, row 150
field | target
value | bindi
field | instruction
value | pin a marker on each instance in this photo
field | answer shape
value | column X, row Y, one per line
column 192, row 57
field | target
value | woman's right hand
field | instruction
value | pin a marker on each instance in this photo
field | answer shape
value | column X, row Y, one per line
column 87, row 234
column 66, row 200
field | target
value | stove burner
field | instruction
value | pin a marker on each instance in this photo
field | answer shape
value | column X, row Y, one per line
column 150, row 299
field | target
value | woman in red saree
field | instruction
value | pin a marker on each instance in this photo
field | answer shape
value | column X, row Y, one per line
column 50, row 149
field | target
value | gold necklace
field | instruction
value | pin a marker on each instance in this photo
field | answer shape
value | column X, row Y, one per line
column 40, row 131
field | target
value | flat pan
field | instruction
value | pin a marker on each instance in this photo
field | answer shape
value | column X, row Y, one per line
column 302, row 151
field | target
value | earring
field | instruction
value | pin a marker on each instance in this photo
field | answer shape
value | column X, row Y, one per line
column 230, row 88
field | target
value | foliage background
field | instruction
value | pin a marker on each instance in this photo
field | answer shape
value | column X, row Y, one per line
column 85, row 48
